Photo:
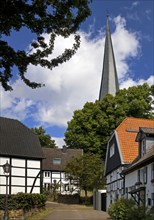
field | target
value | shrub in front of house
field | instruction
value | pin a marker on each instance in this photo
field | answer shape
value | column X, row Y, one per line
column 126, row 209
column 23, row 201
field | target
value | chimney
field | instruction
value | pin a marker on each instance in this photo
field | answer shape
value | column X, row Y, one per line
column 64, row 149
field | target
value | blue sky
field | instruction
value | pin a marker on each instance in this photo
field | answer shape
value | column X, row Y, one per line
column 71, row 85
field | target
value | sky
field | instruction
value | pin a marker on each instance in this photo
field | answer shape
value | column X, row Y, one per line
column 69, row 86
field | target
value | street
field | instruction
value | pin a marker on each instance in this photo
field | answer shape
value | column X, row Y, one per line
column 74, row 212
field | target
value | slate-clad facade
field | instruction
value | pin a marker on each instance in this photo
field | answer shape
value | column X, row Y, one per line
column 21, row 148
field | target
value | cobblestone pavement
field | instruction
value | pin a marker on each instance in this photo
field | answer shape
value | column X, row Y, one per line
column 74, row 212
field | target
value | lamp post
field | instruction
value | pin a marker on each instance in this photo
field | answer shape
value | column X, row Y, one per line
column 6, row 168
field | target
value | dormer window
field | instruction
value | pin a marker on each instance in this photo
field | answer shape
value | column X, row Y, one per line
column 56, row 161
column 143, row 148
column 112, row 150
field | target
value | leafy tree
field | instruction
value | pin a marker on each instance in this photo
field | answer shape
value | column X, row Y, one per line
column 91, row 127
column 45, row 139
column 88, row 170
column 54, row 17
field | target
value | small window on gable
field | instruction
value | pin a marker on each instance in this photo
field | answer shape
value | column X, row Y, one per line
column 143, row 147
column 112, row 149
column 56, row 161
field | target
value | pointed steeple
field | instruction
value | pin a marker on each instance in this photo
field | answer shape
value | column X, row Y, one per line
column 109, row 81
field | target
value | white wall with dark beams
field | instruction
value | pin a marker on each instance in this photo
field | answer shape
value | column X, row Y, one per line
column 24, row 175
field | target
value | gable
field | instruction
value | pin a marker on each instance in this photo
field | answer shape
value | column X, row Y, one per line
column 113, row 159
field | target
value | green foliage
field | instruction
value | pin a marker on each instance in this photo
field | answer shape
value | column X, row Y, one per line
column 119, row 210
column 53, row 17
column 125, row 209
column 91, row 127
column 23, row 201
column 87, row 170
column 45, row 139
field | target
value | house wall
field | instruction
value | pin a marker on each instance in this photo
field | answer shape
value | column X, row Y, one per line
column 132, row 178
column 115, row 186
column 23, row 175
column 65, row 186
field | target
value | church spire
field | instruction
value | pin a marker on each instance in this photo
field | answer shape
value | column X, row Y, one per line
column 109, row 81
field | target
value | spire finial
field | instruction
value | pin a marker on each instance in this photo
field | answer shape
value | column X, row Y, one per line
column 107, row 20
column 107, row 13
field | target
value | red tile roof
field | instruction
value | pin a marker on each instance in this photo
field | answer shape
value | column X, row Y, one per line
column 127, row 132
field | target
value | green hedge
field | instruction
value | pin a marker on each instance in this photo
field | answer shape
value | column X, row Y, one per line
column 126, row 209
column 23, row 201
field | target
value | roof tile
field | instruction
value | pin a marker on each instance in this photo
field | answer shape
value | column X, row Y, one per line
column 127, row 132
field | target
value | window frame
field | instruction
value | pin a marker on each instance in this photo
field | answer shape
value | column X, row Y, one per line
column 56, row 159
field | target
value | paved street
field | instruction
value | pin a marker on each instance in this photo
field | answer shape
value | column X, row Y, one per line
column 74, row 212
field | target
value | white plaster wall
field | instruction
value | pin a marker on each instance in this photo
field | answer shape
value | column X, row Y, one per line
column 18, row 181
column 3, row 160
column 32, row 172
column 149, row 185
column 33, row 164
column 18, row 162
column 18, row 171
column 18, row 175
column 35, row 190
column 117, row 186
column 131, row 179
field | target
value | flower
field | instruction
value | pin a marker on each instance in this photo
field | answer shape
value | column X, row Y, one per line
column 152, row 181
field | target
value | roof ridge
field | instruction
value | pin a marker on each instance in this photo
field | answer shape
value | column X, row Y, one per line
column 132, row 118
column 15, row 119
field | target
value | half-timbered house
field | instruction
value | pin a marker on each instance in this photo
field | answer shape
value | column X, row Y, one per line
column 20, row 147
column 53, row 169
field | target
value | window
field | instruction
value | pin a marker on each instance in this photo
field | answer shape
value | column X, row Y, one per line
column 110, row 178
column 152, row 171
column 46, row 174
column 143, row 148
column 145, row 175
column 138, row 176
column 57, row 161
column 152, row 198
column 47, row 186
column 112, row 150
column 111, row 199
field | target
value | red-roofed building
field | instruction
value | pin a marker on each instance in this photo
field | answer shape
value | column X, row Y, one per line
column 122, row 150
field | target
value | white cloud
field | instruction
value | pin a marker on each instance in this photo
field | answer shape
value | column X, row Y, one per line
column 71, row 85
column 59, row 142
column 130, row 82
column 134, row 4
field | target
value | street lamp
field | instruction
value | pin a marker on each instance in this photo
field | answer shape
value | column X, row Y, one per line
column 6, row 168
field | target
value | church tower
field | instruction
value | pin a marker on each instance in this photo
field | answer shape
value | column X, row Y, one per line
column 109, row 81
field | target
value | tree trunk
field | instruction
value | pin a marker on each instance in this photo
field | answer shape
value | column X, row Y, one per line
column 86, row 197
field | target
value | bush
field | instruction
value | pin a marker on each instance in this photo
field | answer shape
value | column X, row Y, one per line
column 23, row 201
column 118, row 210
column 126, row 209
